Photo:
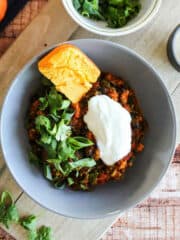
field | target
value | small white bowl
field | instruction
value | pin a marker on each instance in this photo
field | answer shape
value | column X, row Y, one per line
column 148, row 11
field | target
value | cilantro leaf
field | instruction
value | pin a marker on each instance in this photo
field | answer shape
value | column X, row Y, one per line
column 70, row 181
column 54, row 117
column 55, row 101
column 45, row 138
column 65, row 104
column 67, row 116
column 91, row 9
column 56, row 163
column 85, row 162
column 43, row 103
column 79, row 142
column 6, row 198
column 29, row 222
column 53, row 131
column 65, row 151
column 44, row 233
column 32, row 235
column 47, row 172
column 8, row 210
column 42, row 122
column 50, row 149
column 77, row 4
column 10, row 215
column 63, row 131
column 83, row 187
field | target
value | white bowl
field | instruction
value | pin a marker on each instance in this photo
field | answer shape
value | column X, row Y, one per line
column 148, row 11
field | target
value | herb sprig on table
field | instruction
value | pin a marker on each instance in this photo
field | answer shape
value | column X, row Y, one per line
column 29, row 223
column 56, row 141
column 116, row 13
column 9, row 215
column 8, row 210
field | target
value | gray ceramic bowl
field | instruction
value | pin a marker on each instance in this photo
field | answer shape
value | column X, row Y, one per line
column 150, row 165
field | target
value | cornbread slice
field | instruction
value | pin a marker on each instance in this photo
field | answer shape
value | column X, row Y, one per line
column 70, row 70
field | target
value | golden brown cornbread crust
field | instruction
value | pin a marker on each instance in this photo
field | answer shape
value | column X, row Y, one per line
column 70, row 70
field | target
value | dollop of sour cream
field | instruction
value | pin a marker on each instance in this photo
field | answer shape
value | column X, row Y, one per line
column 111, row 125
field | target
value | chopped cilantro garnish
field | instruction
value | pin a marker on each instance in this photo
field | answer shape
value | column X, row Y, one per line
column 55, row 137
column 116, row 13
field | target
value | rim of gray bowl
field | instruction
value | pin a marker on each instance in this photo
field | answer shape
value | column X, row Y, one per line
column 145, row 195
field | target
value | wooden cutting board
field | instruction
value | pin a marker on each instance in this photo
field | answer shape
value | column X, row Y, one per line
column 51, row 26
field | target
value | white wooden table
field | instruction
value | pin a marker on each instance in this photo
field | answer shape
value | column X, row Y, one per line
column 150, row 42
